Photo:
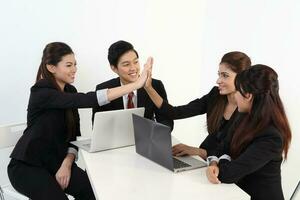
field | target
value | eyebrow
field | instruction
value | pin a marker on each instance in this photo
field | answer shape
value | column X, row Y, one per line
column 69, row 62
column 223, row 72
column 124, row 62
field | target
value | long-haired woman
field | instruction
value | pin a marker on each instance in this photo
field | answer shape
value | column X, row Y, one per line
column 259, row 142
column 42, row 164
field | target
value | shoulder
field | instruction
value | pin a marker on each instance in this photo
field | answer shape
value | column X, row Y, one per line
column 109, row 84
column 214, row 91
column 70, row 88
column 271, row 135
column 42, row 85
column 157, row 83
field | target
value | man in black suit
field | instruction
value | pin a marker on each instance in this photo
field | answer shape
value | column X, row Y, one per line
column 124, row 61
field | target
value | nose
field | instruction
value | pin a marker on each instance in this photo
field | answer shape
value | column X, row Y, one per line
column 218, row 80
column 74, row 69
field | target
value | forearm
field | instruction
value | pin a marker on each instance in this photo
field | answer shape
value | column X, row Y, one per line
column 68, row 161
column 154, row 96
column 114, row 93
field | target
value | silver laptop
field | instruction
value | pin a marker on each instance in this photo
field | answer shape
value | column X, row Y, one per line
column 112, row 129
column 153, row 141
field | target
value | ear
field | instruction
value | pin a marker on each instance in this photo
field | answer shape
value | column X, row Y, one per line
column 51, row 68
column 115, row 69
column 249, row 96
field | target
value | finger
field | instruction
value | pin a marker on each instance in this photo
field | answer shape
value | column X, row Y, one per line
column 176, row 151
column 68, row 181
column 59, row 180
column 214, row 178
column 65, row 180
column 182, row 153
column 150, row 61
column 211, row 177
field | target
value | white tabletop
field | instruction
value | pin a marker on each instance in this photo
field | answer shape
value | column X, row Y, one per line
column 123, row 174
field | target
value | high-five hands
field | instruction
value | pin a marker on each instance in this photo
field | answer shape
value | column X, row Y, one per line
column 145, row 73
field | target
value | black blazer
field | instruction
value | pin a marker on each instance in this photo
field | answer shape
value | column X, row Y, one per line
column 43, row 142
column 257, row 169
column 142, row 98
column 198, row 107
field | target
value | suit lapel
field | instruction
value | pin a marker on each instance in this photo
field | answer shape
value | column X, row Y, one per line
column 141, row 97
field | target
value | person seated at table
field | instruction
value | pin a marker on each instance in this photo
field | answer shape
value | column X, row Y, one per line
column 256, row 145
column 124, row 61
column 219, row 105
column 42, row 164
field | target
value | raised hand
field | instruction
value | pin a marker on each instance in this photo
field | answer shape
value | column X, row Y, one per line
column 145, row 73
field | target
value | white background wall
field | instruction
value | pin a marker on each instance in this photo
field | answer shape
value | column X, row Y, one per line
column 186, row 38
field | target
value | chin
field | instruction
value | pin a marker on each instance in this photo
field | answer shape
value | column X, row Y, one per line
column 222, row 92
column 131, row 80
column 71, row 81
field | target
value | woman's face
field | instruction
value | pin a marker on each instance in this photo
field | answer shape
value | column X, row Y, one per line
column 226, row 80
column 243, row 103
column 64, row 72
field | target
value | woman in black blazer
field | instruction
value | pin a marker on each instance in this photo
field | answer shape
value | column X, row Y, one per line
column 42, row 164
column 218, row 104
column 257, row 143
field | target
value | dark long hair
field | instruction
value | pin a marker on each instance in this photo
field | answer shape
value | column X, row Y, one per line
column 262, row 82
column 237, row 62
column 52, row 55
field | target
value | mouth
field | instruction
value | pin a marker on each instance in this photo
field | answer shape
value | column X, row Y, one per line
column 132, row 74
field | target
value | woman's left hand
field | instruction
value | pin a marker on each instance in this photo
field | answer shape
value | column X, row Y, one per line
column 212, row 173
column 63, row 176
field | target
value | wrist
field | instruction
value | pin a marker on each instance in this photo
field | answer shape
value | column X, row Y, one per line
column 148, row 88
column 68, row 161
column 202, row 153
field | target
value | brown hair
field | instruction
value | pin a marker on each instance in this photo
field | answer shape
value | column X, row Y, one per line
column 262, row 82
column 52, row 55
column 237, row 62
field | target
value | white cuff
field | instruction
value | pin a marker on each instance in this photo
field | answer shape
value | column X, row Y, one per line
column 102, row 97
column 211, row 159
column 73, row 151
column 226, row 157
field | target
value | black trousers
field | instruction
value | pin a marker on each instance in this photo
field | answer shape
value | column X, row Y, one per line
column 38, row 184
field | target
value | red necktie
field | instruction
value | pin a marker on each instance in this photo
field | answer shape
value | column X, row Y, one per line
column 130, row 100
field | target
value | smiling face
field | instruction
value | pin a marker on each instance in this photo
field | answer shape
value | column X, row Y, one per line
column 226, row 80
column 128, row 67
column 65, row 70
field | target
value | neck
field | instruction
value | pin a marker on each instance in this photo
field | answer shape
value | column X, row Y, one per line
column 231, row 99
column 123, row 82
column 61, row 85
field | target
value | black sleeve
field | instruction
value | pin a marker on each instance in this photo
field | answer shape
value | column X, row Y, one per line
column 209, row 142
column 196, row 107
column 97, row 108
column 262, row 150
column 75, row 112
column 159, row 117
column 48, row 98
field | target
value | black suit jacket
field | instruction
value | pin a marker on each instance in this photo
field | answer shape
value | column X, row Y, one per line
column 201, row 106
column 142, row 98
column 44, row 141
column 257, row 169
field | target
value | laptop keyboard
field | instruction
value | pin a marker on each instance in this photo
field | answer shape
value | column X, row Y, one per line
column 179, row 163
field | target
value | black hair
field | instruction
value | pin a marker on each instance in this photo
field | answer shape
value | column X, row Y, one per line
column 117, row 49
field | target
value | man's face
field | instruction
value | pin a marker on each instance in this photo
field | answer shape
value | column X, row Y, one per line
column 128, row 67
